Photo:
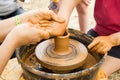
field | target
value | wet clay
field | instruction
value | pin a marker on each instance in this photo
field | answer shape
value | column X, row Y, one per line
column 90, row 61
column 61, row 54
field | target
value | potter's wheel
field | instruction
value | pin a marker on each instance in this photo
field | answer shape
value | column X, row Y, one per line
column 33, row 70
column 73, row 58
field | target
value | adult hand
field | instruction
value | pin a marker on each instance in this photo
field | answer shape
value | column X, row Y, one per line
column 36, row 16
column 57, row 29
column 101, row 44
column 26, row 33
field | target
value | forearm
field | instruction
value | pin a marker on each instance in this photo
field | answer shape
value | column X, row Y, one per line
column 66, row 8
column 6, row 50
column 6, row 26
column 83, row 22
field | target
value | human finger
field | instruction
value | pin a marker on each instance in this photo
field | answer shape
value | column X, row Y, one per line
column 94, row 43
column 45, row 25
column 44, row 21
column 33, row 20
column 101, row 50
column 106, row 49
column 44, row 34
column 55, row 17
column 57, row 29
column 97, row 48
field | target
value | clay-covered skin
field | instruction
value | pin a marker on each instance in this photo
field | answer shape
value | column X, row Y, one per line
column 103, row 44
column 46, row 19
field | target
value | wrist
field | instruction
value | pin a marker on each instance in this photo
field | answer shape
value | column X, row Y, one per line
column 115, row 39
column 112, row 40
column 17, row 20
column 23, row 18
